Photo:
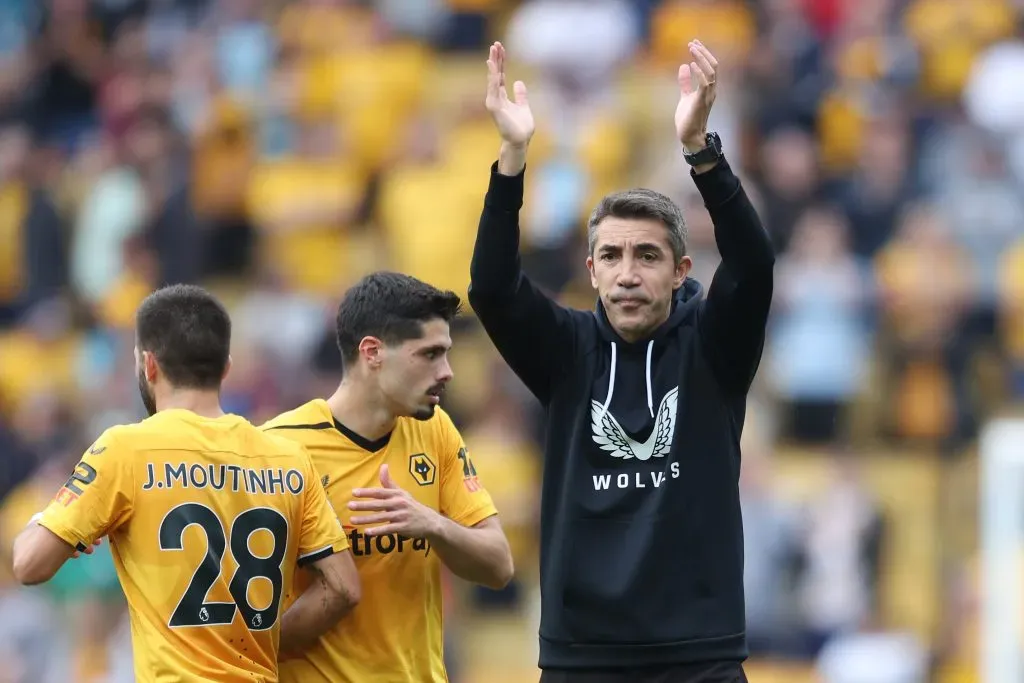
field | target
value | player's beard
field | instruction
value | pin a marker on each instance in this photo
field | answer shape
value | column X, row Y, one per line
column 146, row 392
column 426, row 412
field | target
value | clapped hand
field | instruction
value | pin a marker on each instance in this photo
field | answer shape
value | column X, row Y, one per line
column 695, row 101
column 512, row 116
column 395, row 510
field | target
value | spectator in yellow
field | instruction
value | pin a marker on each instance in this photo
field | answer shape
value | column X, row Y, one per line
column 303, row 205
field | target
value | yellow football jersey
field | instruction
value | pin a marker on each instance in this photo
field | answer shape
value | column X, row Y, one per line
column 395, row 633
column 207, row 519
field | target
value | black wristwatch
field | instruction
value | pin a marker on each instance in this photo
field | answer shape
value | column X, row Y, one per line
column 711, row 153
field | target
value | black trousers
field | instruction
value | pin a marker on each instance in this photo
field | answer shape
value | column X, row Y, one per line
column 713, row 672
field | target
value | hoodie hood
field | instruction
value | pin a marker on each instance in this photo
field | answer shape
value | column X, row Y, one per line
column 685, row 301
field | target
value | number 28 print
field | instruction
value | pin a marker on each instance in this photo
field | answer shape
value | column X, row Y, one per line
column 192, row 609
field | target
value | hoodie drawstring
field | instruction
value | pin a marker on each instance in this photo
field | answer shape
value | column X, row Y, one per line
column 611, row 380
column 650, row 396
column 611, row 383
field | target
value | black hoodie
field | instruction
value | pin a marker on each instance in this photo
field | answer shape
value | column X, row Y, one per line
column 641, row 536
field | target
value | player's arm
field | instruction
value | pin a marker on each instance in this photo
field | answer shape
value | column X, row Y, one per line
column 95, row 499
column 732, row 324
column 333, row 593
column 531, row 332
column 39, row 553
column 479, row 553
column 324, row 550
column 466, row 533
column 472, row 546
column 468, row 538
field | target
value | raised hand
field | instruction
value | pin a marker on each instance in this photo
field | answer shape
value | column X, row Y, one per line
column 695, row 102
column 397, row 512
column 512, row 117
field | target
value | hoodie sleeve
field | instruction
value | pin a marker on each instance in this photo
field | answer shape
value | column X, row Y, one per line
column 732, row 325
column 531, row 332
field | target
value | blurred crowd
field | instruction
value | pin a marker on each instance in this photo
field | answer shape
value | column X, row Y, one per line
column 277, row 150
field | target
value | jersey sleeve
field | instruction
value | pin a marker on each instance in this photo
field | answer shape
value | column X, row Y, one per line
column 463, row 497
column 321, row 534
column 97, row 498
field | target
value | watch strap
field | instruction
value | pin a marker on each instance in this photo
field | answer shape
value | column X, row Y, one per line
column 711, row 152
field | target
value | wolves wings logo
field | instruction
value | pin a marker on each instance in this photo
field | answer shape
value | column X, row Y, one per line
column 610, row 436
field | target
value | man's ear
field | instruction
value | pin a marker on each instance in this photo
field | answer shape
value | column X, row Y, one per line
column 682, row 270
column 371, row 349
column 590, row 269
column 227, row 369
column 150, row 367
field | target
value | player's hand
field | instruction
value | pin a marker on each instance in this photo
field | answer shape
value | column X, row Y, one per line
column 512, row 117
column 695, row 103
column 88, row 550
column 395, row 510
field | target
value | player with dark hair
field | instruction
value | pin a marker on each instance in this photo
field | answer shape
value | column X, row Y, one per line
column 405, row 486
column 394, row 309
column 207, row 516
column 641, row 535
column 186, row 334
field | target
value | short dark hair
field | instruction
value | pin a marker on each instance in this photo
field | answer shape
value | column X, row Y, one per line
column 641, row 203
column 392, row 307
column 189, row 332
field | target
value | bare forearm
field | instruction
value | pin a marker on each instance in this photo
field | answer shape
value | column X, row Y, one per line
column 511, row 159
column 38, row 555
column 316, row 611
column 479, row 555
column 28, row 567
